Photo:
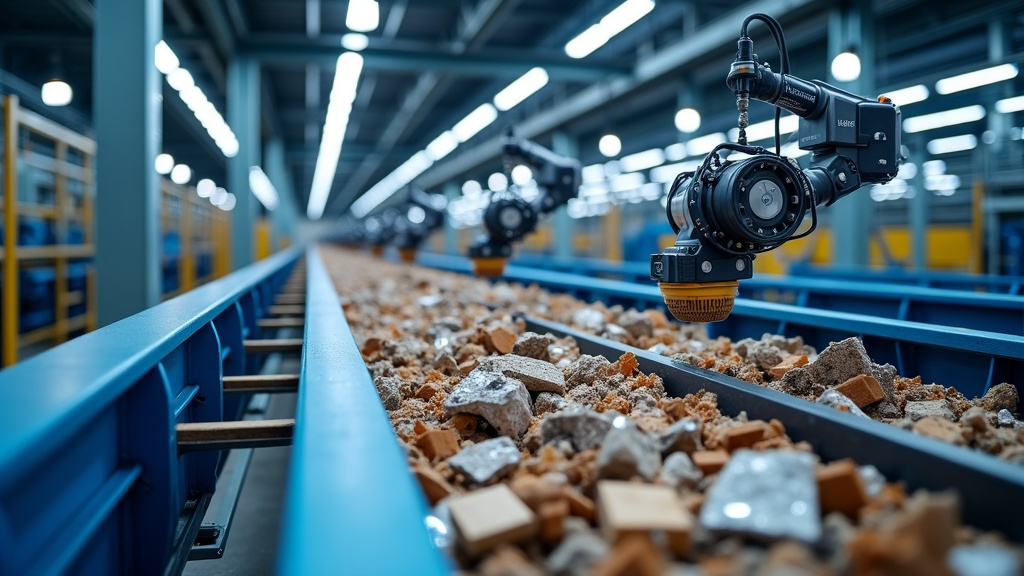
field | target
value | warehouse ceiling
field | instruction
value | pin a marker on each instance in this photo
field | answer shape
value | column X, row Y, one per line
column 429, row 64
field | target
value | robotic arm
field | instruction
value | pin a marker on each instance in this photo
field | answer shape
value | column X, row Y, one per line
column 728, row 211
column 509, row 218
column 423, row 215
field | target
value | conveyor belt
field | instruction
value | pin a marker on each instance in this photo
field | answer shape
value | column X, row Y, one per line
column 970, row 360
column 997, row 309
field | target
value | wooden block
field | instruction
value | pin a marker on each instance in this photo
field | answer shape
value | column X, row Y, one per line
column 435, row 487
column 792, row 361
column 272, row 345
column 580, row 505
column 710, row 461
column 626, row 507
column 634, row 555
column 552, row 520
column 744, row 435
column 438, row 444
column 426, row 392
column 286, row 310
column 489, row 517
column 501, row 339
column 864, row 390
column 841, row 489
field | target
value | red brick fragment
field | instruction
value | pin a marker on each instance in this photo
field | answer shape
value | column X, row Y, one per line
column 501, row 339
column 841, row 489
column 744, row 435
column 438, row 444
column 864, row 390
column 792, row 361
column 634, row 555
column 435, row 487
column 710, row 461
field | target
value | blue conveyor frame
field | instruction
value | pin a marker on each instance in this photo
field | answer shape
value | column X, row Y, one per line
column 990, row 283
column 972, row 361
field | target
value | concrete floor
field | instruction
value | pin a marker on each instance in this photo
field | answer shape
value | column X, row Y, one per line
column 251, row 548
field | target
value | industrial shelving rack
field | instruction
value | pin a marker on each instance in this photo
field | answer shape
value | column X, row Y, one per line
column 194, row 239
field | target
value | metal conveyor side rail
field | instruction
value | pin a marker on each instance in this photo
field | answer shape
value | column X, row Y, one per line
column 935, row 279
column 91, row 481
column 351, row 505
column 970, row 360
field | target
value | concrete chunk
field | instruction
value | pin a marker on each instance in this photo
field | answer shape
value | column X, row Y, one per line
column 548, row 402
column 488, row 461
column 388, row 388
column 684, row 435
column 769, row 494
column 589, row 318
column 502, row 401
column 679, row 470
column 835, row 399
column 840, row 362
column 929, row 408
column 636, row 323
column 628, row 451
column 1005, row 419
column 581, row 426
column 532, row 345
column 537, row 375
column 578, row 553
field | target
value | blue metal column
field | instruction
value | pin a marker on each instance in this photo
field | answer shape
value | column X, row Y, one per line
column 566, row 145
column 126, row 104
column 451, row 235
column 284, row 217
column 852, row 27
column 918, row 206
column 244, row 119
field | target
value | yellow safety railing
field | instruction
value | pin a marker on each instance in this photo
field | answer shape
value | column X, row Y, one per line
column 200, row 228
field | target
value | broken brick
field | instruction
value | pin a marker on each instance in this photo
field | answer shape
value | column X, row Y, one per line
column 426, row 392
column 864, row 390
column 489, row 517
column 579, row 505
column 634, row 555
column 627, row 508
column 501, row 339
column 710, row 461
column 435, row 487
column 744, row 435
column 466, row 424
column 552, row 520
column 841, row 489
column 792, row 361
column 438, row 444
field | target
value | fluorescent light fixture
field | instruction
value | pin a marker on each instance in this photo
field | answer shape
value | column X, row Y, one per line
column 704, row 144
column 933, row 167
column 471, row 188
column 628, row 181
column 942, row 182
column 442, row 145
column 620, row 18
column 609, row 145
column 391, row 183
column 521, row 89
column 910, row 95
column 343, row 94
column 944, row 118
column 229, row 203
column 164, row 58
column 952, row 144
column 593, row 173
column 687, row 120
column 180, row 79
column 765, row 130
column 56, row 93
column 612, row 168
column 642, row 160
column 497, row 182
column 262, row 188
column 975, row 79
column 362, row 16
column 205, row 188
column 474, row 122
column 219, row 196
column 907, row 171
column 416, row 215
column 355, row 41
column 846, row 67
column 521, row 174
column 675, row 152
column 1010, row 105
column 181, row 174
column 667, row 174
column 164, row 163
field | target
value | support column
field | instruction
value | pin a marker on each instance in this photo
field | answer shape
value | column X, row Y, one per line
column 126, row 112
column 452, row 190
column 244, row 119
column 283, row 218
column 564, row 144
column 918, row 206
column 852, row 27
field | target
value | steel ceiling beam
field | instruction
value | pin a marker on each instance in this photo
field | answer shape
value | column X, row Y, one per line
column 655, row 67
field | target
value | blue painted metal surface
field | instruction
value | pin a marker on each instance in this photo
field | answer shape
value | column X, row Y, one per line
column 90, row 478
column 970, row 360
column 352, row 506
column 949, row 280
column 999, row 312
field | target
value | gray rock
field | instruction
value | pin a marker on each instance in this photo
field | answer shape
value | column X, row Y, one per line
column 840, row 362
column 793, row 345
column 532, row 345
column 658, row 349
column 536, row 375
column 616, row 333
column 502, row 401
column 1005, row 419
column 679, row 470
column 578, row 553
column 796, row 381
column 999, row 397
column 582, row 427
column 586, row 370
column 975, row 418
column 835, row 399
column 764, row 355
column 983, row 560
column 922, row 409
column 636, row 323
column 628, row 451
column 487, row 461
column 885, row 375
column 771, row 494
column 684, row 435
column 389, row 390
column 589, row 318
column 404, row 351
column 548, row 402
column 873, row 480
